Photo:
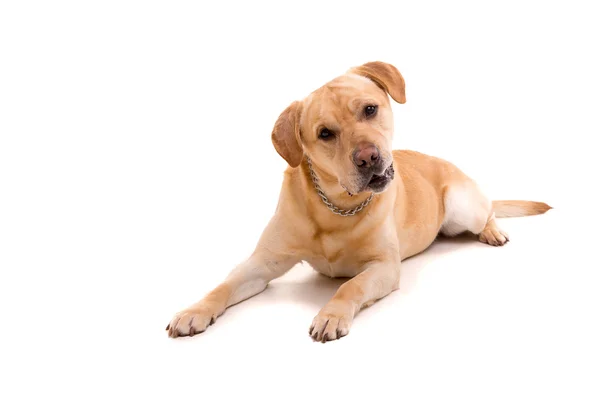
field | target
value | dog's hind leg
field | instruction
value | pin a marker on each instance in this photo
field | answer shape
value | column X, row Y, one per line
column 466, row 208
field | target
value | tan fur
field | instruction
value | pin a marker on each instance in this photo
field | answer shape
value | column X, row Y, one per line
column 285, row 134
column 519, row 208
column 427, row 196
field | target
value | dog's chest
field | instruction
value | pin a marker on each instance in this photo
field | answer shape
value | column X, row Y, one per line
column 334, row 258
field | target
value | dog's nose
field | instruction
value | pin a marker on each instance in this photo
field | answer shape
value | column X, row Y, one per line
column 366, row 155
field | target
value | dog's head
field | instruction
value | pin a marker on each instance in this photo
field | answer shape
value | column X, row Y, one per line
column 345, row 127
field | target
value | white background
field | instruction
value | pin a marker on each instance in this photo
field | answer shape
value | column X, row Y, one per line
column 136, row 170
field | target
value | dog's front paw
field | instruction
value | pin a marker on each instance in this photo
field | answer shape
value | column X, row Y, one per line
column 191, row 321
column 333, row 322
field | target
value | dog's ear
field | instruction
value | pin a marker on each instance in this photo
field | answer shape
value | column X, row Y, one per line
column 385, row 76
column 286, row 135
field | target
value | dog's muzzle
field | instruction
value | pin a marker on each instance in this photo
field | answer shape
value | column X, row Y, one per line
column 375, row 174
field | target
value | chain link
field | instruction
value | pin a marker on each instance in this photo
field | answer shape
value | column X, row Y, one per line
column 333, row 208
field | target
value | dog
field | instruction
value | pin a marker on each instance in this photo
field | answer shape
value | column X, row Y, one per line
column 350, row 206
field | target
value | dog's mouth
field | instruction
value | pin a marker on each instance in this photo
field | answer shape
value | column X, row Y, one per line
column 376, row 183
column 379, row 182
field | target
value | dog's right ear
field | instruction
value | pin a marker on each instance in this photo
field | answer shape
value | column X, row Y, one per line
column 286, row 135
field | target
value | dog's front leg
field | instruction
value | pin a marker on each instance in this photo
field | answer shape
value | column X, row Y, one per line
column 247, row 279
column 378, row 280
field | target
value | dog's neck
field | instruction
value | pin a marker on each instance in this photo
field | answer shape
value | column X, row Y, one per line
column 330, row 185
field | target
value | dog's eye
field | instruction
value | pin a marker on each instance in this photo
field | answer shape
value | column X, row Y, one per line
column 326, row 134
column 370, row 111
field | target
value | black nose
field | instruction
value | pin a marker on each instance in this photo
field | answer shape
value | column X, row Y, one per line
column 366, row 155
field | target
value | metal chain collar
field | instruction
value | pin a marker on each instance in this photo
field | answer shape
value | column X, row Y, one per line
column 334, row 209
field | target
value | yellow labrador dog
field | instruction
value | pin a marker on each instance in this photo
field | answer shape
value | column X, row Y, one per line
column 352, row 207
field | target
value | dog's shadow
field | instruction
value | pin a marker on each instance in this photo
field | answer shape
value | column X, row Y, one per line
column 306, row 287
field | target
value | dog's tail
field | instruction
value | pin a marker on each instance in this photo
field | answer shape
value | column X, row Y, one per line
column 518, row 208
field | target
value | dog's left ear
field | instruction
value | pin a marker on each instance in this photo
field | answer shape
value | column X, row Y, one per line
column 286, row 135
column 385, row 76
